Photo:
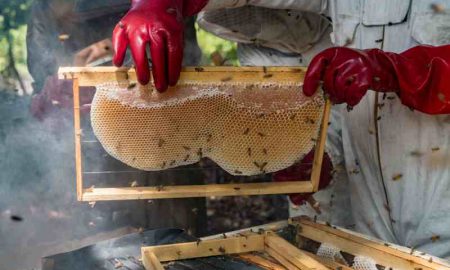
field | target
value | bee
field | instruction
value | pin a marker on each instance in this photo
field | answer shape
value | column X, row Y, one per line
column 63, row 37
column 186, row 148
column 226, row 79
column 134, row 184
column 268, row 76
column 131, row 86
column 222, row 250
column 264, row 151
column 292, row 117
column 435, row 238
column 416, row 153
column 237, row 172
column 434, row 149
column 172, row 162
column 199, row 69
column 308, row 120
column 246, row 131
column 208, row 137
column 397, row 176
column 249, row 152
column 261, row 134
column 161, row 142
column 163, row 165
column 200, row 152
column 186, row 158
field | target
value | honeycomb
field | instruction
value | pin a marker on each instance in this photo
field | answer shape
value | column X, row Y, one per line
column 247, row 129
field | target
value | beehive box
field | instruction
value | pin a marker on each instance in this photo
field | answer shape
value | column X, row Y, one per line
column 249, row 120
column 267, row 248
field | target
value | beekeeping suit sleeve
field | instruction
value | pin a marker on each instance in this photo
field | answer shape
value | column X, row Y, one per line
column 318, row 6
column 40, row 60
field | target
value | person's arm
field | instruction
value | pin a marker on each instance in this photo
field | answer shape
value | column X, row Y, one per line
column 40, row 60
column 419, row 76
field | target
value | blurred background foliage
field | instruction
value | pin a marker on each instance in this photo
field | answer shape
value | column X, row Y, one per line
column 13, row 19
column 13, row 53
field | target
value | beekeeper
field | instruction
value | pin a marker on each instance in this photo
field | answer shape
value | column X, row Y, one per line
column 394, row 145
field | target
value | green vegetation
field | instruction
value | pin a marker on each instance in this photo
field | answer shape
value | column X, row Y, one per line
column 210, row 44
column 13, row 18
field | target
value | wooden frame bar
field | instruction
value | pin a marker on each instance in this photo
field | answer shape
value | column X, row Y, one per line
column 91, row 76
column 272, row 249
column 295, row 256
column 386, row 254
column 282, row 251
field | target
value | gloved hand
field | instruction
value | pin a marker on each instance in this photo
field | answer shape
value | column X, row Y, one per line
column 302, row 170
column 419, row 76
column 160, row 23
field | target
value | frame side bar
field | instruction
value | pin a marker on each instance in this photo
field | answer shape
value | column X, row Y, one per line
column 320, row 147
column 77, row 130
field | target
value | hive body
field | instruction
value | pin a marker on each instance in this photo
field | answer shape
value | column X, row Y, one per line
column 247, row 129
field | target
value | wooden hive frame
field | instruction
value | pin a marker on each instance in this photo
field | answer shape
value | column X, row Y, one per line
column 92, row 76
column 269, row 251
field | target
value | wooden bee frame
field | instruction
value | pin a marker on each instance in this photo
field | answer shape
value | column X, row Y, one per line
column 269, row 251
column 92, row 76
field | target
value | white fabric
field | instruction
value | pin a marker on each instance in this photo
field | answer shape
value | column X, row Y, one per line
column 266, row 27
column 316, row 6
column 412, row 209
column 382, row 140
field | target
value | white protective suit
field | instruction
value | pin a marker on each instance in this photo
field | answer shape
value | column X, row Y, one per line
column 397, row 161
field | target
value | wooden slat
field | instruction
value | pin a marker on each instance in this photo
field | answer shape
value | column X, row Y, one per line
column 294, row 255
column 77, row 130
column 281, row 259
column 234, row 245
column 189, row 191
column 260, row 261
column 320, row 147
column 150, row 261
column 273, row 226
column 381, row 253
column 91, row 76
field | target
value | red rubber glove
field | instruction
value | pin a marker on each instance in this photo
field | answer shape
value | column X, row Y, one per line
column 302, row 170
column 160, row 23
column 419, row 76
